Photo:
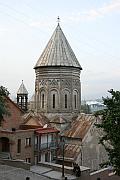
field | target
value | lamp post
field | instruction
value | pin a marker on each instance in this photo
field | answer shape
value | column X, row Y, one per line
column 63, row 151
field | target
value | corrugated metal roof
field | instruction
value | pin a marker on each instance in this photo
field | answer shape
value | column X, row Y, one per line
column 72, row 151
column 46, row 130
column 58, row 52
column 22, row 89
column 80, row 126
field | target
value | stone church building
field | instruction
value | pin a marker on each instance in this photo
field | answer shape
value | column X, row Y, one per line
column 58, row 97
column 32, row 131
column 57, row 84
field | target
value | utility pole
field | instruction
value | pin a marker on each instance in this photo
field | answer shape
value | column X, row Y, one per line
column 63, row 150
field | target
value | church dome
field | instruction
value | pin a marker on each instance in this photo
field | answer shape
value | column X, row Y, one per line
column 58, row 52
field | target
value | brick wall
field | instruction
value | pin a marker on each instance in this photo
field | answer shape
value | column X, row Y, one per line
column 14, row 119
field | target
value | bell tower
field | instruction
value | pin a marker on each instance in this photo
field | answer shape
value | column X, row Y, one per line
column 22, row 97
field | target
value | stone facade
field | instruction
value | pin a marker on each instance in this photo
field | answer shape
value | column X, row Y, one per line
column 18, row 132
column 26, row 151
column 62, row 83
column 84, row 149
column 92, row 153
column 57, row 84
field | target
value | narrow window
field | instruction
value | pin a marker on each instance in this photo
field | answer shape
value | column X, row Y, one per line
column 53, row 100
column 28, row 160
column 65, row 100
column 43, row 99
column 75, row 101
column 28, row 142
column 36, row 142
column 19, row 146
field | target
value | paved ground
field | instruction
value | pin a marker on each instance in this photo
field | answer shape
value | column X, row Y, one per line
column 12, row 173
column 48, row 172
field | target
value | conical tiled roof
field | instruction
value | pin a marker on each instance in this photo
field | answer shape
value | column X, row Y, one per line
column 22, row 89
column 58, row 52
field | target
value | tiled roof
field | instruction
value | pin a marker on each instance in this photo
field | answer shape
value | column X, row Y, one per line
column 80, row 126
column 22, row 89
column 58, row 52
column 39, row 118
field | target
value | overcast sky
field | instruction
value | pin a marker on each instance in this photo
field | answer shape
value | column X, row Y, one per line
column 92, row 27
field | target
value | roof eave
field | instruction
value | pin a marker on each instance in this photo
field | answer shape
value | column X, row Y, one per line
column 36, row 67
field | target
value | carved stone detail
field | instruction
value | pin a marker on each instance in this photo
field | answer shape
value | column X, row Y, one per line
column 53, row 82
column 66, row 82
column 43, row 82
column 76, row 82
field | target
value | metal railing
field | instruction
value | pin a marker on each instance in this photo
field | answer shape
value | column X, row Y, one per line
column 49, row 145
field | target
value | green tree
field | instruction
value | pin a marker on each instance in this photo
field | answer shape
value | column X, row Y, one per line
column 85, row 109
column 3, row 105
column 110, row 125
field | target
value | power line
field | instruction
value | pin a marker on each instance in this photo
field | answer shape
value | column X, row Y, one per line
column 13, row 9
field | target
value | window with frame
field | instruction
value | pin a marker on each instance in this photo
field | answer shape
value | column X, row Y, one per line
column 53, row 101
column 19, row 146
column 65, row 100
column 75, row 101
column 28, row 142
column 43, row 101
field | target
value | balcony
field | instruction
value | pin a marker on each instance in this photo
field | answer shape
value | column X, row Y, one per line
column 49, row 145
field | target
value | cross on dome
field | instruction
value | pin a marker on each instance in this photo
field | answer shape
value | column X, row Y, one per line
column 58, row 19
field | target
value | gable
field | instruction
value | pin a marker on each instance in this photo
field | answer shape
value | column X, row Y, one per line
column 32, row 121
column 14, row 119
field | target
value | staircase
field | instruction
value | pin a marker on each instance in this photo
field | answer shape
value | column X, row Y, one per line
column 5, row 155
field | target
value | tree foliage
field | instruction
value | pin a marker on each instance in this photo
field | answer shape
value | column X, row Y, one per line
column 85, row 109
column 111, row 129
column 3, row 105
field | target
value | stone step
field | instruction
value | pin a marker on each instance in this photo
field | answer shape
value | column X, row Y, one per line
column 5, row 155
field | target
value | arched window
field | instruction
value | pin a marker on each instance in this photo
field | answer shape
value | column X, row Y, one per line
column 65, row 100
column 75, row 101
column 53, row 101
column 43, row 100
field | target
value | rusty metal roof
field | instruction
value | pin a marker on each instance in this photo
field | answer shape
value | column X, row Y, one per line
column 58, row 52
column 80, row 126
column 46, row 130
column 72, row 151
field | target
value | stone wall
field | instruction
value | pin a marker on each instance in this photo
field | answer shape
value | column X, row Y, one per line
column 26, row 151
column 60, row 81
column 92, row 153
